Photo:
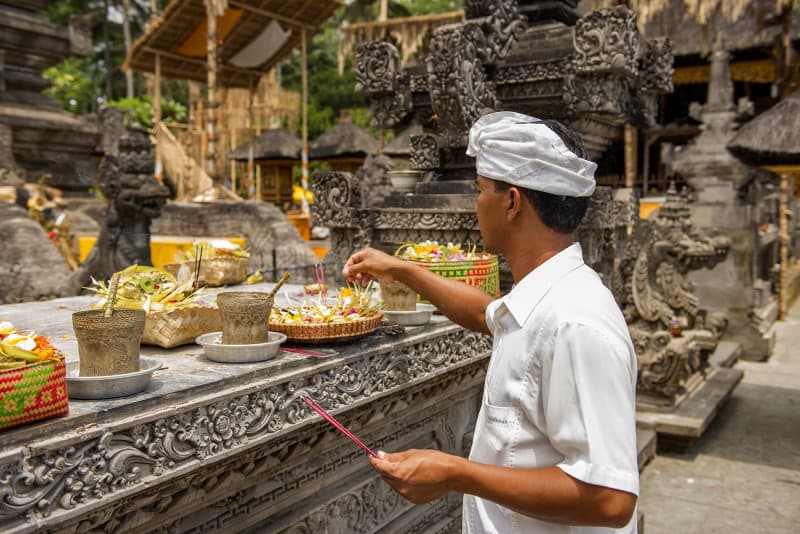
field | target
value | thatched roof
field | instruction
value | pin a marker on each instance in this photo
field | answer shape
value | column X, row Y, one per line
column 400, row 147
column 343, row 140
column 772, row 138
column 270, row 144
column 178, row 36
column 755, row 28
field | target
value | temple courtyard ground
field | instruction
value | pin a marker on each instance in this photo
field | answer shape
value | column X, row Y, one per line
column 743, row 474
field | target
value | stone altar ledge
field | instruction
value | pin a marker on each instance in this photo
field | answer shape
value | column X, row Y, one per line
column 231, row 447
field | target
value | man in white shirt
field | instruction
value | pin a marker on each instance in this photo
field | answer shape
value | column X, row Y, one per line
column 554, row 447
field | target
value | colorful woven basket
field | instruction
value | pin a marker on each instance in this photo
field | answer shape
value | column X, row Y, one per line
column 36, row 391
column 180, row 326
column 482, row 273
column 329, row 333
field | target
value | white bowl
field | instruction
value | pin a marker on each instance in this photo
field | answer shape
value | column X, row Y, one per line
column 404, row 181
column 418, row 317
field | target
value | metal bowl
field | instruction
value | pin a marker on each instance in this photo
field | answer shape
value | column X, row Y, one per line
column 418, row 317
column 111, row 386
column 255, row 352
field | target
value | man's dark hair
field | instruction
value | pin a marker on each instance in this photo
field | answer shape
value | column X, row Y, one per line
column 560, row 213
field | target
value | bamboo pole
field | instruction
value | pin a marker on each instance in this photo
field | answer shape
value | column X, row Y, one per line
column 250, row 112
column 631, row 154
column 783, row 237
column 304, row 151
column 157, row 93
column 214, row 9
column 159, row 171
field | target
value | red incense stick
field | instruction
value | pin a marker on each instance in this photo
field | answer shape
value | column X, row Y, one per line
column 339, row 426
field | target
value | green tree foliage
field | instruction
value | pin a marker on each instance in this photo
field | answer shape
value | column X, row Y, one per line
column 330, row 93
column 95, row 74
column 75, row 83
column 139, row 110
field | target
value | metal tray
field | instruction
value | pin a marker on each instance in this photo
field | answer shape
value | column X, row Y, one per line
column 112, row 386
column 255, row 352
column 418, row 317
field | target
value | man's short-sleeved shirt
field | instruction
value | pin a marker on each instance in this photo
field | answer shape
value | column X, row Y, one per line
column 560, row 390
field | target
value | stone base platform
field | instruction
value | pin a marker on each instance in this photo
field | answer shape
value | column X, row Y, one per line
column 678, row 430
column 645, row 446
column 726, row 354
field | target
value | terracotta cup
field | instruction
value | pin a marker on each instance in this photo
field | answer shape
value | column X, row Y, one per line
column 397, row 296
column 108, row 345
column 245, row 317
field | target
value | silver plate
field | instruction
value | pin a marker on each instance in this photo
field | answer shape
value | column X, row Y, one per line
column 418, row 317
column 112, row 386
column 256, row 352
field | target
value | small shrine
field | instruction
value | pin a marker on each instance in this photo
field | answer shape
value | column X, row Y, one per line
column 275, row 154
column 737, row 201
column 344, row 147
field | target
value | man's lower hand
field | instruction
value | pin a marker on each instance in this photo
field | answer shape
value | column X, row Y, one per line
column 419, row 476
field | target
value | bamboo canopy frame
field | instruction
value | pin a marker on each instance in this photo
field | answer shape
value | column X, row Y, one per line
column 408, row 32
column 172, row 46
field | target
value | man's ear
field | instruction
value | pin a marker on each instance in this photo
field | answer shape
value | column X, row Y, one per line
column 513, row 203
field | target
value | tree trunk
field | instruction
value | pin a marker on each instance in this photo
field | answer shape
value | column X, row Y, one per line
column 107, row 53
column 126, row 33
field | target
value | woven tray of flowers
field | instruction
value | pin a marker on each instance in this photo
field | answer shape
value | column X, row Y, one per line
column 223, row 263
column 320, row 321
column 177, row 312
column 33, row 378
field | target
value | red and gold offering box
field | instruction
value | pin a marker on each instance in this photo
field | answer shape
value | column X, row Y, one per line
column 478, row 269
column 33, row 378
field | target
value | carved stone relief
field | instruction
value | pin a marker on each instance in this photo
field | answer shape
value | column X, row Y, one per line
column 424, row 153
column 378, row 74
column 607, row 40
column 655, row 295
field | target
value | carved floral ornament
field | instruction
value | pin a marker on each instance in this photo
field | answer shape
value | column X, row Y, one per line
column 377, row 67
column 39, row 482
column 607, row 40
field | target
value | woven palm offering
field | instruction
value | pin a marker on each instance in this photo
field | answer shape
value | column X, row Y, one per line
column 478, row 269
column 177, row 312
column 397, row 296
column 221, row 263
column 33, row 378
column 353, row 316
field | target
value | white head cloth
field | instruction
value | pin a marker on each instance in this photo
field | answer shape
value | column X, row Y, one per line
column 520, row 150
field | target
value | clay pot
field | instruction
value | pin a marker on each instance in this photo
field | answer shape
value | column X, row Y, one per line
column 245, row 317
column 108, row 345
column 397, row 296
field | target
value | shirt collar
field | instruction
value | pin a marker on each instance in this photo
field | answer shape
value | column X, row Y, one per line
column 525, row 295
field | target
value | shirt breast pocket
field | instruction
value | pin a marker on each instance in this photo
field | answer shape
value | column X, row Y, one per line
column 495, row 438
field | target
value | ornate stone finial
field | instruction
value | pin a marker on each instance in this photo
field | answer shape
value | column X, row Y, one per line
column 607, row 41
column 604, row 65
column 378, row 74
column 720, row 86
